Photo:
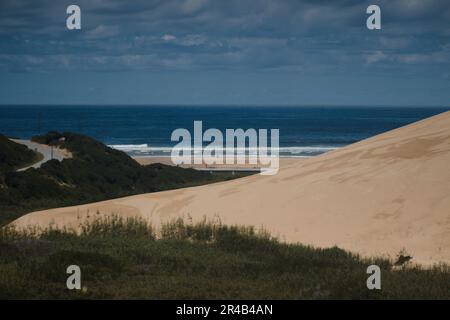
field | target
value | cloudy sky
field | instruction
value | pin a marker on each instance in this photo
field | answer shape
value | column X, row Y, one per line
column 225, row 52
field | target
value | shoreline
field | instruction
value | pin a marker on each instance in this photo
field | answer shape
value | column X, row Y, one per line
column 147, row 160
column 377, row 197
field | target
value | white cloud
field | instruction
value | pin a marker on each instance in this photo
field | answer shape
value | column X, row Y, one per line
column 168, row 37
column 375, row 57
column 420, row 58
column 102, row 31
column 395, row 43
column 191, row 6
column 193, row 40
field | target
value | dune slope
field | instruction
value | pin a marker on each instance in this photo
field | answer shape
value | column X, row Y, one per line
column 375, row 197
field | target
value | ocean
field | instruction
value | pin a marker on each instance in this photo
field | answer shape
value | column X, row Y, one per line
column 146, row 131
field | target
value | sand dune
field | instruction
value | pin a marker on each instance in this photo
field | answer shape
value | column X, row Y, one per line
column 375, row 197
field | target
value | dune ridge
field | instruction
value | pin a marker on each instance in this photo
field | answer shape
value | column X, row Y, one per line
column 379, row 196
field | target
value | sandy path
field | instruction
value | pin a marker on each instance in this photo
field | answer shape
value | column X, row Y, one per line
column 46, row 151
column 375, row 197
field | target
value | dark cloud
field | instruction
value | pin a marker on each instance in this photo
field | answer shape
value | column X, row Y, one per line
column 308, row 37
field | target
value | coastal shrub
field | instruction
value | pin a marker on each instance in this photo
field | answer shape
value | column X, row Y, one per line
column 114, row 225
column 94, row 173
column 128, row 259
column 14, row 155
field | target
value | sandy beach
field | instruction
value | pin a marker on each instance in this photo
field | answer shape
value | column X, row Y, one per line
column 379, row 196
column 168, row 161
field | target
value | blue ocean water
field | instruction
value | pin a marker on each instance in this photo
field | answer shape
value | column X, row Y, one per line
column 141, row 130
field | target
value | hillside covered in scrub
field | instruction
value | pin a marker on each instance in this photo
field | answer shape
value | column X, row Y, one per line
column 96, row 172
column 14, row 155
column 127, row 259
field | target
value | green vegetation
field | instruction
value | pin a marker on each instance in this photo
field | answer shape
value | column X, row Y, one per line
column 124, row 259
column 14, row 156
column 96, row 172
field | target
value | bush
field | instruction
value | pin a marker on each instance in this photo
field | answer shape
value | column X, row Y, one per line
column 123, row 259
column 95, row 173
column 14, row 155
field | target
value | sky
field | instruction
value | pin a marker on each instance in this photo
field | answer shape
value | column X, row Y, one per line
column 225, row 52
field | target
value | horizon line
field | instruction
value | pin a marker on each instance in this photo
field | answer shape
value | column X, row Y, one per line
column 226, row 105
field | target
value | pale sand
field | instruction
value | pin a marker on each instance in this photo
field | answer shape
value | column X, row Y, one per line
column 375, row 197
column 245, row 165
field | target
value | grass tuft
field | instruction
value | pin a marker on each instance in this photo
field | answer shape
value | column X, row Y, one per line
column 127, row 259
